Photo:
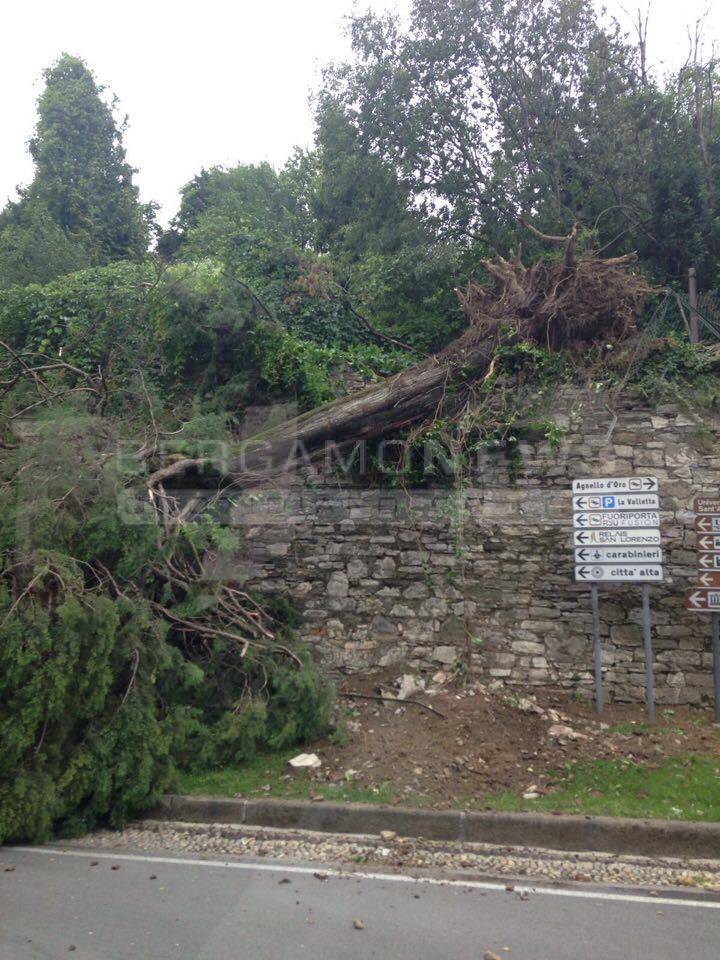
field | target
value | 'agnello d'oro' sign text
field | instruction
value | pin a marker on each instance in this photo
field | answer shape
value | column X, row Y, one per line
column 615, row 485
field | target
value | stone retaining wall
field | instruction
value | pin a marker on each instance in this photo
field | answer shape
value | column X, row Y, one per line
column 387, row 576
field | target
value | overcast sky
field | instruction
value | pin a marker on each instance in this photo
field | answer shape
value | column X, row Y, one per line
column 220, row 81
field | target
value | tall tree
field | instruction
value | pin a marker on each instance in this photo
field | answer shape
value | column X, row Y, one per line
column 83, row 184
column 82, row 175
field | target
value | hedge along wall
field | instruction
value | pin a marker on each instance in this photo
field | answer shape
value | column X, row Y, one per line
column 417, row 577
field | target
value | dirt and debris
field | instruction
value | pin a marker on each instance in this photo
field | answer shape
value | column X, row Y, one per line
column 493, row 740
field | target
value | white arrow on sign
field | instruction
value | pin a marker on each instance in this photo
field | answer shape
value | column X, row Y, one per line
column 615, row 485
column 628, row 572
column 626, row 518
column 709, row 543
column 623, row 501
column 608, row 538
column 705, row 523
column 709, row 561
column 618, row 555
column 703, row 599
column 709, row 578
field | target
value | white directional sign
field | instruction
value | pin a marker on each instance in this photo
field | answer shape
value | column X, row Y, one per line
column 594, row 555
column 608, row 538
column 622, row 501
column 615, row 485
column 634, row 572
column 624, row 519
column 616, row 533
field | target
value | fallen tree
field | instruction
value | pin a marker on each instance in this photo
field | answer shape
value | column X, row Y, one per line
column 566, row 303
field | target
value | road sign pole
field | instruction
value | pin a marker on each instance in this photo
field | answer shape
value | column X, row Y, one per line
column 648, row 651
column 598, row 653
column 716, row 662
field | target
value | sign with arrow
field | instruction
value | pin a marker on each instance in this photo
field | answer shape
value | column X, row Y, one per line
column 703, row 600
column 644, row 536
column 625, row 518
column 706, row 542
column 625, row 572
column 616, row 532
column 707, row 505
column 707, row 523
column 705, row 597
column 615, row 485
column 622, row 501
column 709, row 578
column 618, row 555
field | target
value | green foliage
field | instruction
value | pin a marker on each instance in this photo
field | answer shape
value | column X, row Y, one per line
column 360, row 206
column 34, row 248
column 674, row 370
column 82, row 206
column 81, row 733
column 102, row 697
column 82, row 176
column 487, row 109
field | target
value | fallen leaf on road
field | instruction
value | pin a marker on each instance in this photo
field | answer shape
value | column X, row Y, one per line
column 284, row 880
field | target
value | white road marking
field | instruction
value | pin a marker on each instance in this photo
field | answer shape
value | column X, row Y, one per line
column 92, row 854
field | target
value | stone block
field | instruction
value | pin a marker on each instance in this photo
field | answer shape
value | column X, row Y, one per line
column 445, row 654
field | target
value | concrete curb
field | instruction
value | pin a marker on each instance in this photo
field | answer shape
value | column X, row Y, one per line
column 649, row 838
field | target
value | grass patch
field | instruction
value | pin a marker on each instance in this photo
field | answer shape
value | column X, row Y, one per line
column 673, row 790
column 267, row 776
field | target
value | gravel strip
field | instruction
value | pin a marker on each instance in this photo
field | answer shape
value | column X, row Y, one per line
column 487, row 860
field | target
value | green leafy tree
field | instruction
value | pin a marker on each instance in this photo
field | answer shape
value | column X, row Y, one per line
column 497, row 111
column 358, row 202
column 82, row 196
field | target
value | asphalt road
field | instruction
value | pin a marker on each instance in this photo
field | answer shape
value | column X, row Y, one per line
column 96, row 905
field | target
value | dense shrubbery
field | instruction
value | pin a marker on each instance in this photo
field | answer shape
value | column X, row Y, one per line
column 102, row 690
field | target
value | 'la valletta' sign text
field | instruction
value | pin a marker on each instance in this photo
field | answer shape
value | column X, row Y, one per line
column 616, row 530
